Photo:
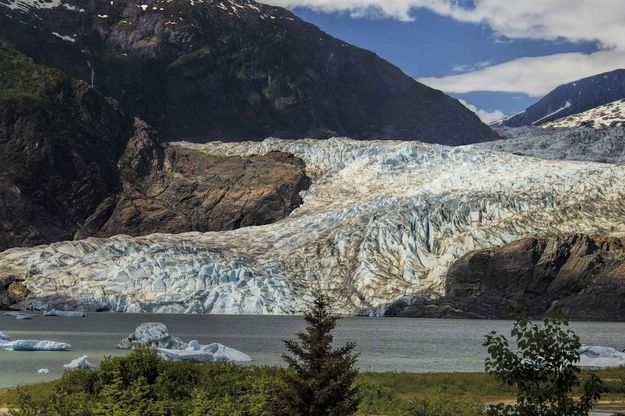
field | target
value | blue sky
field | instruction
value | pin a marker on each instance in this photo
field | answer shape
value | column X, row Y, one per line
column 497, row 55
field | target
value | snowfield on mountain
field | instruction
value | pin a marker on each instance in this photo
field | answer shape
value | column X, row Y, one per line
column 382, row 219
column 607, row 115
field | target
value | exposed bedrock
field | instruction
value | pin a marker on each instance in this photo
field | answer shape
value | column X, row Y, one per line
column 577, row 276
column 172, row 189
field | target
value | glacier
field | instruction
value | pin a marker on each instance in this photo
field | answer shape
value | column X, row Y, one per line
column 381, row 220
column 584, row 144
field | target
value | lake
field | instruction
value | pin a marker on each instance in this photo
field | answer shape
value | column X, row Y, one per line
column 385, row 344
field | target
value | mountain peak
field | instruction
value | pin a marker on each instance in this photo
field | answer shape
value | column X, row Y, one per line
column 233, row 70
column 572, row 98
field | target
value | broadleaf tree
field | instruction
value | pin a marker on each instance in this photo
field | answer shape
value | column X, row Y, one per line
column 543, row 367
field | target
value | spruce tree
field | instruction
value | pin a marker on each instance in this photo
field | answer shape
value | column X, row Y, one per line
column 319, row 380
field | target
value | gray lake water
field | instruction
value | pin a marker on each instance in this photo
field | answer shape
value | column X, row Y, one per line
column 385, row 344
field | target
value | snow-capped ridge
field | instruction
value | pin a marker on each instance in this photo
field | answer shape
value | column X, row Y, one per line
column 603, row 116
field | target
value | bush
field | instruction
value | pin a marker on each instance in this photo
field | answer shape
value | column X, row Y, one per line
column 143, row 384
column 543, row 368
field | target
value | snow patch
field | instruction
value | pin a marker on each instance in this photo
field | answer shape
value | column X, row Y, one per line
column 564, row 107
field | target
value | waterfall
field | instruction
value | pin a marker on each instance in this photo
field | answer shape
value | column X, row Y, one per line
column 92, row 73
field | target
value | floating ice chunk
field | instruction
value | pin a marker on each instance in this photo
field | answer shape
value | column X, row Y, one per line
column 43, row 371
column 211, row 352
column 80, row 362
column 19, row 315
column 64, row 314
column 223, row 353
column 193, row 346
column 4, row 337
column 34, row 345
column 151, row 334
column 596, row 356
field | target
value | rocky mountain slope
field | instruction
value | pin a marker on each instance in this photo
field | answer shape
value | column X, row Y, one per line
column 578, row 276
column 59, row 144
column 572, row 98
column 381, row 220
column 232, row 69
column 606, row 115
column 72, row 163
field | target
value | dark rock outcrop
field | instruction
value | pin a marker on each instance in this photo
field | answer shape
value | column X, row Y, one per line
column 12, row 290
column 578, row 276
column 572, row 98
column 74, row 164
column 230, row 70
column 174, row 189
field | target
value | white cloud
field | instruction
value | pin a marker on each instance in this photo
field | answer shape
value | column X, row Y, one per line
column 575, row 20
column 601, row 21
column 471, row 67
column 534, row 76
column 486, row 116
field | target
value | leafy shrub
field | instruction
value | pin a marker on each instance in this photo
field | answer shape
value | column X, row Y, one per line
column 543, row 368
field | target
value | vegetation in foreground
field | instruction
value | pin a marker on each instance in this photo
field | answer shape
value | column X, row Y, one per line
column 388, row 394
column 321, row 380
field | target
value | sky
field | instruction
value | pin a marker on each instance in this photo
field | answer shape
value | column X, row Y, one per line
column 496, row 56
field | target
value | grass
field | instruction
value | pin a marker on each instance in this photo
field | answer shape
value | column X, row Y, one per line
column 387, row 390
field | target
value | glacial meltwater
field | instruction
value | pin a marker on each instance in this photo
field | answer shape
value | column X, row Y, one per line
column 385, row 344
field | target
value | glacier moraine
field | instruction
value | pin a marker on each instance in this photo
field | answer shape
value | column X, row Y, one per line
column 382, row 219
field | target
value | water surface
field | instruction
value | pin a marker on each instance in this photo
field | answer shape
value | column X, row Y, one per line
column 385, row 344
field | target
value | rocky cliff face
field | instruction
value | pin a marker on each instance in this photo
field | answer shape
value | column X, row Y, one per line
column 579, row 276
column 59, row 144
column 224, row 69
column 172, row 189
column 73, row 164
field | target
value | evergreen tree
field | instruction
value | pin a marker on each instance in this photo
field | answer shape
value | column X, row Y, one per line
column 319, row 380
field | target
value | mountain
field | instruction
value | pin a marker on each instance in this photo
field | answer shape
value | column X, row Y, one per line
column 232, row 69
column 74, row 164
column 604, row 116
column 572, row 98
column 578, row 276
column 381, row 221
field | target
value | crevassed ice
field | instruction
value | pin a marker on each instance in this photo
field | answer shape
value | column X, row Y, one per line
column 382, row 219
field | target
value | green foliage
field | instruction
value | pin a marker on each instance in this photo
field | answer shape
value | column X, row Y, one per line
column 319, row 379
column 22, row 79
column 143, row 384
column 544, row 370
column 443, row 406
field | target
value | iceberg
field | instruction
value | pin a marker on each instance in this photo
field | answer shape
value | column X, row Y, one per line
column 43, row 371
column 19, row 315
column 4, row 337
column 155, row 334
column 212, row 352
column 64, row 314
column 597, row 356
column 151, row 334
column 80, row 362
column 33, row 345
